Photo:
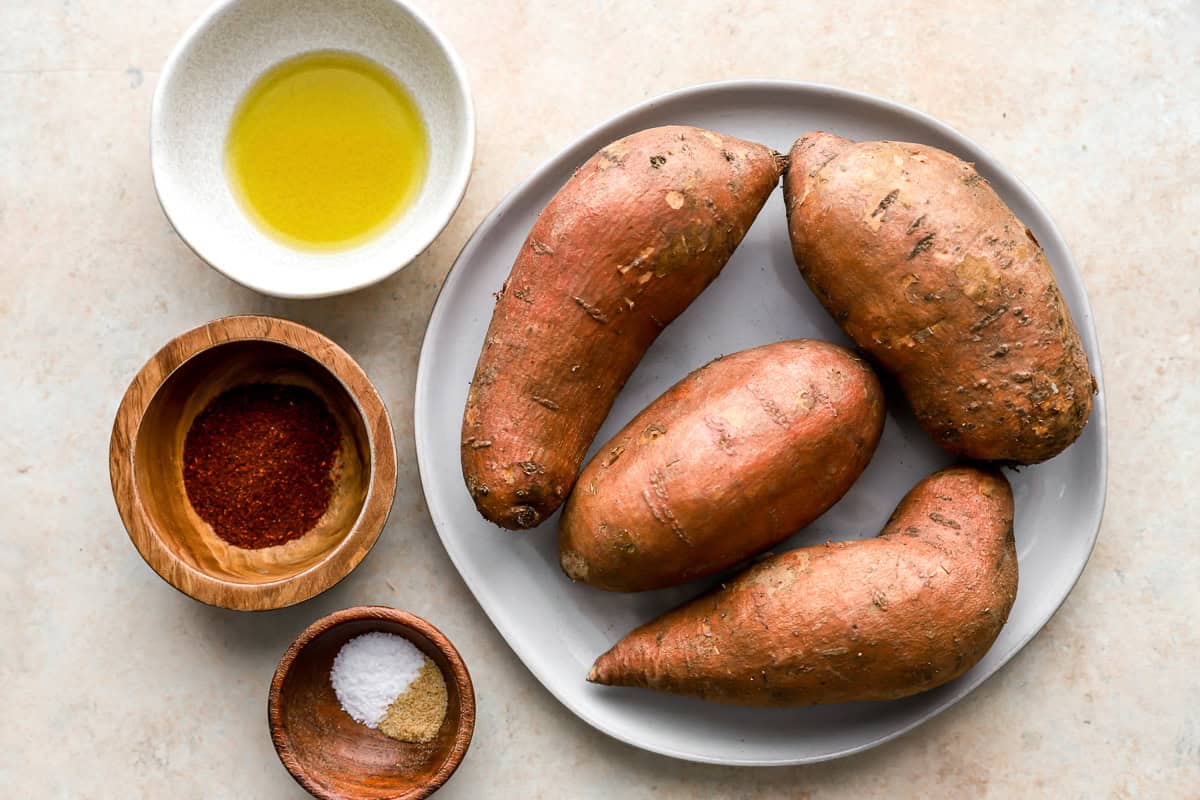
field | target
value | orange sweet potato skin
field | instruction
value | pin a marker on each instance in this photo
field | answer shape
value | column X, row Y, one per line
column 927, row 269
column 875, row 619
column 734, row 458
column 618, row 253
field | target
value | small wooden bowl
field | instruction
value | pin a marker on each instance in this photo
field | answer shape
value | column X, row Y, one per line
column 336, row 758
column 146, row 463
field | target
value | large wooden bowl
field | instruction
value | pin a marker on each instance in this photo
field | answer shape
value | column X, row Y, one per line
column 336, row 758
column 146, row 463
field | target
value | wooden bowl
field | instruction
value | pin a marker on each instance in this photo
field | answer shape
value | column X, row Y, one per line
column 146, row 463
column 336, row 758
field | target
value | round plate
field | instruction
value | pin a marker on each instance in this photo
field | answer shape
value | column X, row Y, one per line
column 558, row 628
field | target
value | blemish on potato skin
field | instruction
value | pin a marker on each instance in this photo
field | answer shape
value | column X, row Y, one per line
column 623, row 542
column 525, row 516
column 724, row 434
column 988, row 319
column 574, row 564
column 923, row 244
column 658, row 500
column 887, row 200
column 613, row 455
column 486, row 377
column 652, row 431
column 591, row 310
column 942, row 519
column 613, row 155
column 675, row 199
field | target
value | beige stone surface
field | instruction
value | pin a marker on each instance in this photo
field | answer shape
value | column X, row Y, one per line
column 114, row 685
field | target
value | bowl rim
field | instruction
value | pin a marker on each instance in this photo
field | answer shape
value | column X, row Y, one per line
column 342, row 558
column 451, row 192
column 462, row 679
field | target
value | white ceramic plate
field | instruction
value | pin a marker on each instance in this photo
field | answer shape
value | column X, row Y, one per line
column 558, row 628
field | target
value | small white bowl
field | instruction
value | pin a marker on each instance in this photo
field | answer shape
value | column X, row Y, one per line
column 208, row 73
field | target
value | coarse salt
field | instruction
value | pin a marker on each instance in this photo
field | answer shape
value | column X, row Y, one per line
column 372, row 670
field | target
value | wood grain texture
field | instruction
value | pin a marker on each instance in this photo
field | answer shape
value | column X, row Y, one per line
column 335, row 758
column 146, row 463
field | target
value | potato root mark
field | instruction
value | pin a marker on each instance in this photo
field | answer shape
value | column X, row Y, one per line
column 653, row 431
column 660, row 509
column 591, row 310
column 769, row 406
column 887, row 200
column 721, row 428
column 988, row 319
column 923, row 244
column 612, row 456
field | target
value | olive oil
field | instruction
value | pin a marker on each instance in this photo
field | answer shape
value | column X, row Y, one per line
column 326, row 150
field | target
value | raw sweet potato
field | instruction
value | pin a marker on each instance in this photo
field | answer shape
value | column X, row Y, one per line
column 874, row 619
column 927, row 269
column 622, row 249
column 734, row 458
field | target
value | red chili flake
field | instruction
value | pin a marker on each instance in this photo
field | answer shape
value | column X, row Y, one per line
column 258, row 463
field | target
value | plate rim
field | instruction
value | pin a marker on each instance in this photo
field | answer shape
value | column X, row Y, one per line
column 1087, row 332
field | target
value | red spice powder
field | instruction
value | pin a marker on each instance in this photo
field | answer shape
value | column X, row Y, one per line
column 257, row 463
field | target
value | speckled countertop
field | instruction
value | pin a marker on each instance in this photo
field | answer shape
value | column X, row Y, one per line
column 114, row 685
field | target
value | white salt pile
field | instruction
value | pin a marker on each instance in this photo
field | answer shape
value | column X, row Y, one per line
column 372, row 670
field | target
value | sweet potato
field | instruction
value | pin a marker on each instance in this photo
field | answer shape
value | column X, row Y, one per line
column 622, row 249
column 729, row 461
column 927, row 269
column 874, row 619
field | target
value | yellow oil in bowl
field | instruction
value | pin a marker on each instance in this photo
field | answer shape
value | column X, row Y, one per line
column 326, row 150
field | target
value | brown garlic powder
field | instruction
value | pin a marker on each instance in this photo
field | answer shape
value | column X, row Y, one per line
column 417, row 715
